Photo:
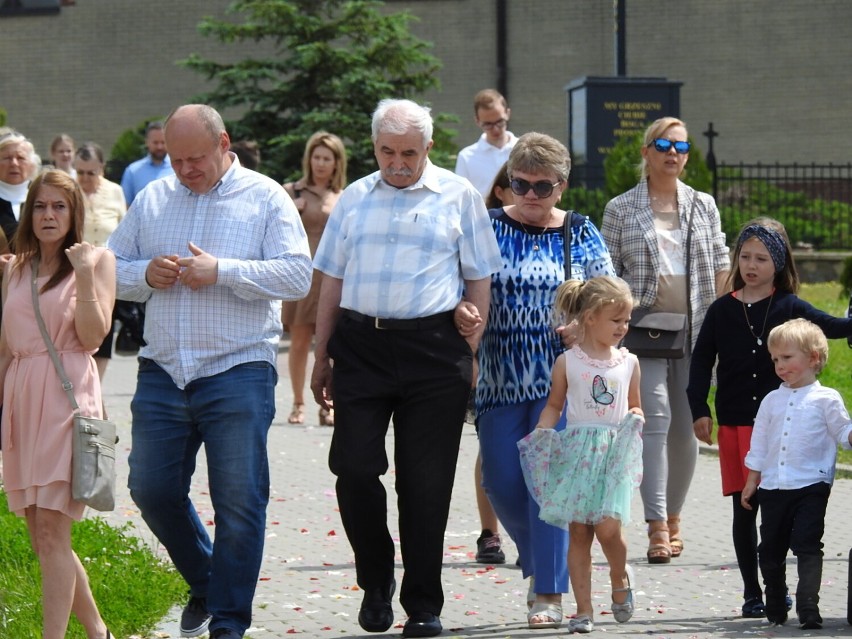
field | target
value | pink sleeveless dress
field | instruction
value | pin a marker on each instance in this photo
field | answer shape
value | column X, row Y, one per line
column 37, row 415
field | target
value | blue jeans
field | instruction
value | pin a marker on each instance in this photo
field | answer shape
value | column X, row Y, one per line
column 230, row 413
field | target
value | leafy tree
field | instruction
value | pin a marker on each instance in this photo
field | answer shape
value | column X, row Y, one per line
column 2, row 116
column 316, row 64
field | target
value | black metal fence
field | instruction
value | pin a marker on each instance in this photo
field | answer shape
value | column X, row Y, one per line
column 812, row 201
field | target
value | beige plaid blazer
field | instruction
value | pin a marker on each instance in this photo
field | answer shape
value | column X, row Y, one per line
column 628, row 230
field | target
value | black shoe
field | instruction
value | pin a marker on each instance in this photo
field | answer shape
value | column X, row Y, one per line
column 753, row 608
column 376, row 614
column 224, row 633
column 195, row 618
column 488, row 550
column 788, row 601
column 422, row 624
column 777, row 618
column 810, row 620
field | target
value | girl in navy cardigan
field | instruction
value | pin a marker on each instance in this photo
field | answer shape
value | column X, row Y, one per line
column 763, row 284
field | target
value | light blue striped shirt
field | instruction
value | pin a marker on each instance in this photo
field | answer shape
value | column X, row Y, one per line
column 405, row 253
column 249, row 223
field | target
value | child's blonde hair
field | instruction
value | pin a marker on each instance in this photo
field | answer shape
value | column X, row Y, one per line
column 580, row 300
column 803, row 335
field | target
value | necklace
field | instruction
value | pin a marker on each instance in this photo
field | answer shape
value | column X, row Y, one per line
column 758, row 337
column 536, row 236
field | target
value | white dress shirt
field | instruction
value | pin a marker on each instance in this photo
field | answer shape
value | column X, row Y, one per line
column 795, row 437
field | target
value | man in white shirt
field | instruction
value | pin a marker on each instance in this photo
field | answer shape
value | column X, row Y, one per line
column 481, row 161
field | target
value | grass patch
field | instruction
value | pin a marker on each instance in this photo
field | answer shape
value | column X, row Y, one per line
column 133, row 587
column 826, row 296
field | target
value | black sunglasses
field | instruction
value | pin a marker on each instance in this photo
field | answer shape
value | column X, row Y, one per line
column 664, row 146
column 541, row 189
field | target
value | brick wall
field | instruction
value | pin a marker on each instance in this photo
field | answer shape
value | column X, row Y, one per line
column 769, row 75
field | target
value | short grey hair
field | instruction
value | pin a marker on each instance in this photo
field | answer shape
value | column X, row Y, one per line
column 398, row 117
column 539, row 153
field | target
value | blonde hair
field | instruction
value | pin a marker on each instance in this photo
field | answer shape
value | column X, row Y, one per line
column 333, row 144
column 582, row 300
column 803, row 335
column 655, row 130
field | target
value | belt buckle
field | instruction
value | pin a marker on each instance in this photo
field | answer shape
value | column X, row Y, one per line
column 378, row 325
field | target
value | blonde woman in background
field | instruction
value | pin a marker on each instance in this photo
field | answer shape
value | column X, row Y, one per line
column 646, row 232
column 62, row 150
column 315, row 194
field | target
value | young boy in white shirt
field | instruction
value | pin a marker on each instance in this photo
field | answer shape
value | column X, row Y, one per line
column 792, row 457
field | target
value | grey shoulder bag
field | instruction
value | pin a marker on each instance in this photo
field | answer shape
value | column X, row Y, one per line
column 93, row 440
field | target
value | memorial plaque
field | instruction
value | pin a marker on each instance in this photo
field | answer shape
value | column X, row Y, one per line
column 603, row 109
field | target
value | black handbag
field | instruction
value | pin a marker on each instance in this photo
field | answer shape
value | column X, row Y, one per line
column 662, row 335
column 659, row 334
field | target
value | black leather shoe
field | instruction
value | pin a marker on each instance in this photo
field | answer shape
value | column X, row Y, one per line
column 422, row 624
column 376, row 614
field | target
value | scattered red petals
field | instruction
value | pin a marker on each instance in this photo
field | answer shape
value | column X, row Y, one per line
column 331, row 533
column 303, row 530
column 265, row 579
column 292, row 631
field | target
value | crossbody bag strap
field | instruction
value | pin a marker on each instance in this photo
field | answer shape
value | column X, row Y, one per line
column 572, row 219
column 568, row 236
column 67, row 386
column 689, row 264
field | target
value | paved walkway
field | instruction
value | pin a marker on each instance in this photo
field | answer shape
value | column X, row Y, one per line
column 307, row 584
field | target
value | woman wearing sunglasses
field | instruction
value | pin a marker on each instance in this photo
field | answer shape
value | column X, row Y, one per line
column 646, row 230
column 518, row 349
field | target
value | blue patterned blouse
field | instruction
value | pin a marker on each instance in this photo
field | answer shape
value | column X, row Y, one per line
column 520, row 345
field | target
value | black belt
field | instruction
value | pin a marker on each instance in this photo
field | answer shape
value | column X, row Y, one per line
column 415, row 324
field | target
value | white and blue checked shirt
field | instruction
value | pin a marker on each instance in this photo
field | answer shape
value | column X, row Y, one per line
column 249, row 223
column 405, row 253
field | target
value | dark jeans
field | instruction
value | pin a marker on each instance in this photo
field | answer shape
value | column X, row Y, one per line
column 230, row 413
column 421, row 380
column 792, row 520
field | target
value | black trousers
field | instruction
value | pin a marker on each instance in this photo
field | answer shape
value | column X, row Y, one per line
column 421, row 380
column 792, row 520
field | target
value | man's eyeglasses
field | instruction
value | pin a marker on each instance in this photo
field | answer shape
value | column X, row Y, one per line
column 541, row 189
column 500, row 124
column 664, row 146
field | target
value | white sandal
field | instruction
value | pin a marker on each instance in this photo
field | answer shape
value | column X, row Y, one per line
column 531, row 594
column 552, row 612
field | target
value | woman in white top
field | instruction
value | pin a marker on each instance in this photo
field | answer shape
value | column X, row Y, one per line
column 105, row 208
column 646, row 231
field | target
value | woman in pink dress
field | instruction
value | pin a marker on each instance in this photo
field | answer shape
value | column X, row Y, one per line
column 76, row 283
column 324, row 176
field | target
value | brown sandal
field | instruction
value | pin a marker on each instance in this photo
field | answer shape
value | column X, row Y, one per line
column 659, row 546
column 675, row 540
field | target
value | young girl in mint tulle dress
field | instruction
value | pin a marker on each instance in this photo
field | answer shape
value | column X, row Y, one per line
column 584, row 477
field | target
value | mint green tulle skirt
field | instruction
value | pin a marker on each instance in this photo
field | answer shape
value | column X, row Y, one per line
column 586, row 472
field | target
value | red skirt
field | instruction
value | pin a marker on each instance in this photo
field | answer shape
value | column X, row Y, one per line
column 734, row 444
